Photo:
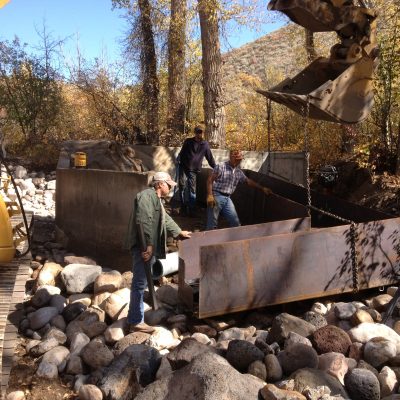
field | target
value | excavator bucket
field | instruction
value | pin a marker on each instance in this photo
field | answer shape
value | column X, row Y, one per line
column 316, row 16
column 339, row 93
column 339, row 88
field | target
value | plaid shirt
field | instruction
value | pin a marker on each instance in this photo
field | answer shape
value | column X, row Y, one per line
column 227, row 178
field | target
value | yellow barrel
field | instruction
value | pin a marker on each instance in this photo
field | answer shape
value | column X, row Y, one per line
column 7, row 250
column 80, row 159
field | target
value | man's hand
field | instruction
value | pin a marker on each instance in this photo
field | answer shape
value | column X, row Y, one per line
column 185, row 234
column 211, row 201
column 146, row 255
column 267, row 191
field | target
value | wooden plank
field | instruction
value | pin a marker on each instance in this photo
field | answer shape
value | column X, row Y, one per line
column 13, row 277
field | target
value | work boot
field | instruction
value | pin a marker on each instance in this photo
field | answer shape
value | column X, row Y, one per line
column 141, row 327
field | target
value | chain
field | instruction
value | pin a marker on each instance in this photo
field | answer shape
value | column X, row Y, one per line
column 353, row 241
column 307, row 155
column 269, row 109
column 354, row 263
column 353, row 229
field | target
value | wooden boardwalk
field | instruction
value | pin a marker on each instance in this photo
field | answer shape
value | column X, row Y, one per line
column 13, row 277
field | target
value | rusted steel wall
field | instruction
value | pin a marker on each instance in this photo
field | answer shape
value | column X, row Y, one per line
column 93, row 209
column 262, row 271
column 189, row 252
column 332, row 204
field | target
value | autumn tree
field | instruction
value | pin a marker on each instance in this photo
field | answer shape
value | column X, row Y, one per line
column 30, row 90
column 142, row 36
column 177, row 69
column 214, row 111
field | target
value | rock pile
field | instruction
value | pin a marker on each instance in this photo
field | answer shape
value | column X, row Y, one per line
column 37, row 190
column 76, row 323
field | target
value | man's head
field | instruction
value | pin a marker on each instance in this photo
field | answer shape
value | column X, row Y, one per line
column 162, row 183
column 235, row 157
column 198, row 132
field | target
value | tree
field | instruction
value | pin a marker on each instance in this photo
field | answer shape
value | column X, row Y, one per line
column 30, row 90
column 142, row 36
column 176, row 69
column 151, row 86
column 214, row 111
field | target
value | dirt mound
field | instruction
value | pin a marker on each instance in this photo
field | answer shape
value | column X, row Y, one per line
column 358, row 185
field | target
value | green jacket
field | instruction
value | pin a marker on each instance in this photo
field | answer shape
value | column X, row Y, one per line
column 156, row 223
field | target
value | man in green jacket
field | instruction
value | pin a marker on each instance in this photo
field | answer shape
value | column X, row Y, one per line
column 149, row 211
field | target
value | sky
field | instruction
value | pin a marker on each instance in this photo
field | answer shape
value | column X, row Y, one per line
column 92, row 23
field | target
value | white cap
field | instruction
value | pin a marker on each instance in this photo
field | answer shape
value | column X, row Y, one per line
column 163, row 177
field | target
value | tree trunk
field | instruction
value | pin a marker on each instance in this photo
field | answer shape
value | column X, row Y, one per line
column 310, row 46
column 149, row 70
column 214, row 111
column 397, row 167
column 176, row 70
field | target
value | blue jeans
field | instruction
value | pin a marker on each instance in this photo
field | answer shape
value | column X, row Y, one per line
column 139, row 284
column 224, row 206
column 187, row 187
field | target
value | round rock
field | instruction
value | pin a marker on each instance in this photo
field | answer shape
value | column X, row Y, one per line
column 330, row 338
column 241, row 354
column 297, row 356
column 362, row 384
column 317, row 319
column 90, row 392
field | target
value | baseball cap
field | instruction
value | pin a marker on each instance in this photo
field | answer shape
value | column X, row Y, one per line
column 198, row 129
column 163, row 177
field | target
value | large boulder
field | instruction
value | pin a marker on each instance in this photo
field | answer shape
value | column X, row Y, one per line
column 296, row 356
column 41, row 317
column 96, row 354
column 79, row 278
column 331, row 338
column 314, row 378
column 362, row 385
column 241, row 354
column 207, row 377
column 108, row 282
column 367, row 331
column 134, row 368
column 285, row 323
column 186, row 351
column 129, row 340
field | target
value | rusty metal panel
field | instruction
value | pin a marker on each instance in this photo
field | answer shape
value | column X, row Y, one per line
column 329, row 203
column 253, row 206
column 189, row 250
column 282, row 268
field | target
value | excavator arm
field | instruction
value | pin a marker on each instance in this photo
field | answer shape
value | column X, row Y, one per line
column 338, row 88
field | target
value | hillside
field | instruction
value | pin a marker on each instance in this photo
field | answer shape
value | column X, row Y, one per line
column 270, row 58
column 273, row 51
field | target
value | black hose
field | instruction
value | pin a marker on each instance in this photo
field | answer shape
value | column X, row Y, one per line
column 28, row 232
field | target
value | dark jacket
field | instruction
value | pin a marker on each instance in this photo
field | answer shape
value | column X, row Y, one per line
column 156, row 222
column 192, row 154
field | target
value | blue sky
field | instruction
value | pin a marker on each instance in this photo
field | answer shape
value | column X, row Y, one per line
column 98, row 27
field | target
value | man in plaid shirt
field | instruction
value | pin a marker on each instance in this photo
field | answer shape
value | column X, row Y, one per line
column 221, row 184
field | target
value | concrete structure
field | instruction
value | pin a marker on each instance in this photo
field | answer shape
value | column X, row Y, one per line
column 286, row 165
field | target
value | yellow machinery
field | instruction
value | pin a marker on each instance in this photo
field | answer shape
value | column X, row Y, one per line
column 10, row 237
column 7, row 249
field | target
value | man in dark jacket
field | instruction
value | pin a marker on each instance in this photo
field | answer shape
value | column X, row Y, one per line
column 149, row 211
column 190, row 159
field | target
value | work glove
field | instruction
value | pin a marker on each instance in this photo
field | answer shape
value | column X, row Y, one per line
column 211, row 201
column 267, row 191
